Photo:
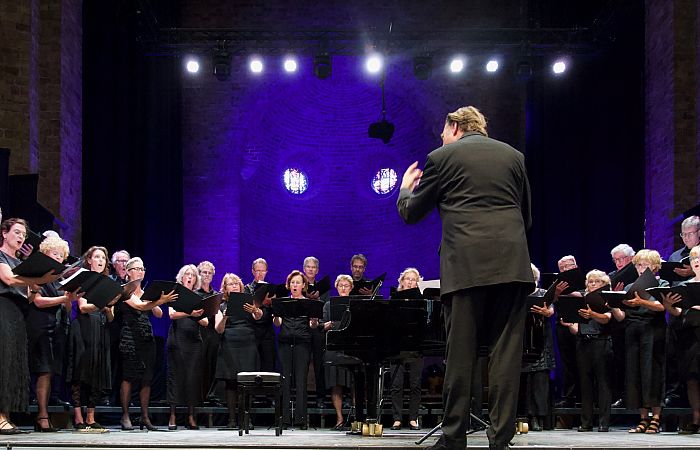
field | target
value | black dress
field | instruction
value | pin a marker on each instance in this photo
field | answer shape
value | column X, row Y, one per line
column 238, row 351
column 14, row 370
column 184, row 347
column 136, row 345
column 336, row 363
column 46, row 339
column 90, row 352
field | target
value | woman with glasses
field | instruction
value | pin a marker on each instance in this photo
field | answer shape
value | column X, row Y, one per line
column 689, row 344
column 593, row 356
column 137, row 347
column 14, row 371
column 645, row 339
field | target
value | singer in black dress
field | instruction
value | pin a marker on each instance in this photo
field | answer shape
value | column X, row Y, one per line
column 184, row 348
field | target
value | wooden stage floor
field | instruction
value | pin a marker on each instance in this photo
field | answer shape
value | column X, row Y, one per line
column 322, row 439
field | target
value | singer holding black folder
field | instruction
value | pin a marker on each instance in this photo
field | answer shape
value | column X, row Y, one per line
column 237, row 350
column 137, row 347
column 13, row 334
column 295, row 353
column 90, row 368
column 264, row 334
column 689, row 343
column 184, row 346
column 45, row 342
column 645, row 338
column 480, row 187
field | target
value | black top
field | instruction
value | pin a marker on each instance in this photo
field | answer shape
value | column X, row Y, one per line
column 5, row 290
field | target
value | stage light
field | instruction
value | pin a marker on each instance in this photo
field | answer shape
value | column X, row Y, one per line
column 192, row 65
column 322, row 66
column 492, row 66
column 256, row 65
column 290, row 65
column 221, row 61
column 374, row 64
column 457, row 65
column 383, row 130
column 559, row 67
column 422, row 67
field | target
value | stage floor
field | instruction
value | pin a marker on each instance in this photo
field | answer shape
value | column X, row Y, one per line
column 321, row 439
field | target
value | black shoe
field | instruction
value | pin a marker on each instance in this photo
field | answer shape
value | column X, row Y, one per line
column 396, row 425
column 603, row 429
column 127, row 426
column 414, row 427
column 690, row 428
column 192, row 427
column 583, row 429
column 440, row 444
column 146, row 423
column 619, row 403
column 40, row 429
column 80, row 426
column 172, row 427
column 94, row 426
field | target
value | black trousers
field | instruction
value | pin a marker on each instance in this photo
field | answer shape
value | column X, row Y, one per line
column 266, row 349
column 210, row 351
column 644, row 370
column 566, row 343
column 318, row 348
column 675, row 388
column 534, row 395
column 594, row 361
column 617, row 333
column 485, row 315
column 295, row 363
column 414, row 366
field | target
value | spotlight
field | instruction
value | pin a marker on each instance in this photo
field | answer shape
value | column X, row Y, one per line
column 322, row 66
column 374, row 64
column 290, row 65
column 192, row 65
column 457, row 65
column 256, row 65
column 383, row 130
column 422, row 67
column 221, row 60
column 559, row 67
column 492, row 66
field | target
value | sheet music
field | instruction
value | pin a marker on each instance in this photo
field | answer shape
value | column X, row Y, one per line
column 428, row 284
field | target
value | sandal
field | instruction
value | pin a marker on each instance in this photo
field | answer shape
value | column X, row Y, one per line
column 641, row 428
column 12, row 429
column 654, row 426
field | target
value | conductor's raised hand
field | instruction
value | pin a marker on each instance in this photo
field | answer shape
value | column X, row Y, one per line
column 411, row 177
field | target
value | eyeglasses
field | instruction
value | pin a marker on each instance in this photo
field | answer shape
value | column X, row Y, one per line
column 138, row 269
column 694, row 258
column 206, row 272
column 620, row 259
column 121, row 261
column 357, row 267
column 688, row 234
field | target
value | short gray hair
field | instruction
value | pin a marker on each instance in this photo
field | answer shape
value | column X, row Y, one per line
column 624, row 248
column 124, row 252
column 311, row 259
column 183, row 271
column 692, row 221
column 258, row 261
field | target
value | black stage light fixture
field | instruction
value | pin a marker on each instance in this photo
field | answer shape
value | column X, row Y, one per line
column 523, row 70
column 322, row 66
column 221, row 62
column 383, row 130
column 422, row 67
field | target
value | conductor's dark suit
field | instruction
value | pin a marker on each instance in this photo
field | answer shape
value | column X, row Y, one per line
column 480, row 188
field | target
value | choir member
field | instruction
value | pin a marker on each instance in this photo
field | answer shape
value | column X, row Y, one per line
column 594, row 357
column 358, row 265
column 237, row 350
column 645, row 337
column 336, row 376
column 689, row 344
column 535, row 375
column 210, row 338
column 137, row 347
column 413, row 364
column 119, row 260
column 90, row 369
column 566, row 343
column 14, row 370
column 318, row 336
column 184, row 347
column 46, row 343
column 295, row 348
column 264, row 334
column 622, row 255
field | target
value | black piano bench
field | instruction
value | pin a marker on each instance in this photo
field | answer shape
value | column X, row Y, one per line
column 258, row 383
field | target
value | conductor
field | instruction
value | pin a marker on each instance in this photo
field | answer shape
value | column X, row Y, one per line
column 481, row 190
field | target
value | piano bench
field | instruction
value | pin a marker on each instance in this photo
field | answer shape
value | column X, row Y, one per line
column 258, row 383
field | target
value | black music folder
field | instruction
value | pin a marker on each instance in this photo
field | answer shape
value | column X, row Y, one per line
column 34, row 240
column 338, row 307
column 595, row 300
column 689, row 292
column 666, row 272
column 129, row 288
column 547, row 278
column 406, row 293
column 234, row 305
column 626, row 275
column 264, row 289
column 567, row 308
column 187, row 300
column 321, row 286
column 38, row 264
column 211, row 304
column 293, row 307
column 100, row 290
column 645, row 281
column 371, row 285
column 535, row 300
column 575, row 278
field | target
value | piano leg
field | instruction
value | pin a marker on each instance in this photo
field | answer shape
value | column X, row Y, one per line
column 372, row 372
column 360, row 415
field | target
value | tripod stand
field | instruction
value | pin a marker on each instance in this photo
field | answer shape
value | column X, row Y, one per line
column 438, row 426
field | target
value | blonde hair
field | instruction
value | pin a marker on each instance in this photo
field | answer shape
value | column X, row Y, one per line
column 342, row 277
column 652, row 256
column 406, row 272
column 695, row 251
column 183, row 271
column 598, row 275
column 204, row 265
column 535, row 274
column 235, row 278
column 54, row 243
column 468, row 119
